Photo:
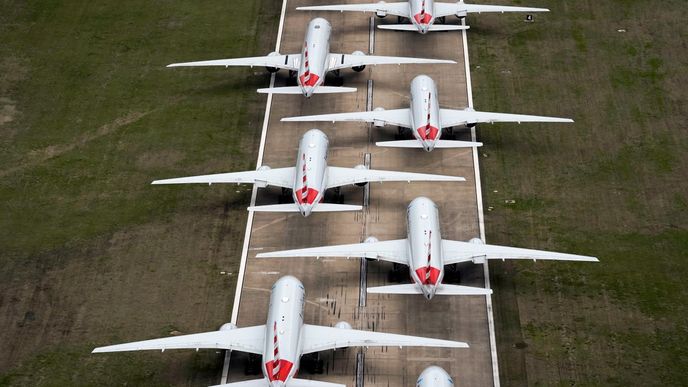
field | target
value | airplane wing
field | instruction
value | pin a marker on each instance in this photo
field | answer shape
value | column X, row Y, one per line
column 398, row 117
column 456, row 252
column 289, row 62
column 462, row 9
column 396, row 9
column 337, row 176
column 318, row 338
column 280, row 177
column 250, row 339
column 343, row 61
column 293, row 382
column 391, row 251
column 450, row 117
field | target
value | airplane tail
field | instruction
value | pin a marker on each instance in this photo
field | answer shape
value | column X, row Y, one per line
column 291, row 383
column 292, row 207
column 297, row 90
column 411, row 27
column 438, row 144
column 444, row 290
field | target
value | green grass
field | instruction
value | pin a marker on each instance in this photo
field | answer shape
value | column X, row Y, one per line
column 89, row 116
column 611, row 185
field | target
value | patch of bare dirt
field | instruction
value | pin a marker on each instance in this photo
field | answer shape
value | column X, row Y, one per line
column 159, row 159
column 44, row 154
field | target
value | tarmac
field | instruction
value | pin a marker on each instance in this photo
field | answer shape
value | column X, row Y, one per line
column 335, row 288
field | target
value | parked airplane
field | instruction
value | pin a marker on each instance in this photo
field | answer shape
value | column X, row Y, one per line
column 426, row 119
column 422, row 13
column 309, row 179
column 313, row 63
column 426, row 254
column 283, row 339
column 434, row 376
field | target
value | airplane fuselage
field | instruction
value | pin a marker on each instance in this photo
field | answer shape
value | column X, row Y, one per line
column 311, row 167
column 282, row 352
column 422, row 14
column 425, row 112
column 425, row 245
column 434, row 376
column 314, row 55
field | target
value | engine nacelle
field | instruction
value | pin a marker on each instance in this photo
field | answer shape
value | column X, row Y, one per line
column 358, row 69
column 272, row 69
column 378, row 123
column 263, row 168
column 342, row 325
column 228, row 327
column 361, row 166
column 462, row 14
column 381, row 14
column 371, row 239
column 476, row 241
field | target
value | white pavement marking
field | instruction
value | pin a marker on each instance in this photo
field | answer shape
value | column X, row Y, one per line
column 481, row 217
column 249, row 223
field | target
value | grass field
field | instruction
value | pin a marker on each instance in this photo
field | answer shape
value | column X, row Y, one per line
column 611, row 185
column 90, row 253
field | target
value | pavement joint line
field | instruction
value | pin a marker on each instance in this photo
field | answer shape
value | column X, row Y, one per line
column 481, row 216
column 371, row 40
column 254, row 192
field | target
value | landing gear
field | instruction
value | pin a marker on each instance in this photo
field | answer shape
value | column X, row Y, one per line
column 313, row 364
column 442, row 20
column 401, row 133
column 398, row 274
column 252, row 366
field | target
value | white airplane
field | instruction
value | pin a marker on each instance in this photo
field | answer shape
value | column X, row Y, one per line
column 434, row 376
column 426, row 119
column 313, row 63
column 283, row 339
column 309, row 179
column 421, row 13
column 426, row 254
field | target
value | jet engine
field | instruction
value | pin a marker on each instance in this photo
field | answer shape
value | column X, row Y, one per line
column 361, row 166
column 342, row 325
column 462, row 14
column 381, row 14
column 476, row 241
column 378, row 123
column 358, row 69
column 272, row 69
column 371, row 239
column 227, row 327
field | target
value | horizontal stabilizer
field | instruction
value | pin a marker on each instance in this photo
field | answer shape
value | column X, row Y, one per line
column 291, row 383
column 312, row 383
column 438, row 144
column 292, row 207
column 411, row 27
column 443, row 289
column 298, row 90
column 246, row 383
